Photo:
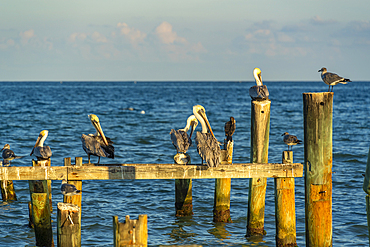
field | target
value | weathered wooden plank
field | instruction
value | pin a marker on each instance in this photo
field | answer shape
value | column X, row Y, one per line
column 152, row 171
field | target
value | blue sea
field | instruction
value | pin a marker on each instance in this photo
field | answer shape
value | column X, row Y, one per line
column 138, row 117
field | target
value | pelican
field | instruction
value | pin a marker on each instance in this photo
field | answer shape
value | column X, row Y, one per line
column 180, row 138
column 331, row 79
column 260, row 91
column 290, row 140
column 39, row 150
column 8, row 155
column 207, row 144
column 230, row 129
column 97, row 144
column 69, row 189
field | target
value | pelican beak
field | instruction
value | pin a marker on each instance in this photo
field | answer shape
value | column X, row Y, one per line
column 193, row 125
column 204, row 116
column 37, row 143
column 98, row 128
column 260, row 77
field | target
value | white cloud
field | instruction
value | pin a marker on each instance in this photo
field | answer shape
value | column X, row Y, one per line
column 27, row 35
column 167, row 36
column 135, row 36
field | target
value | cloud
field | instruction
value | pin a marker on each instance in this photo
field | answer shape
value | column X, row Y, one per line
column 27, row 35
column 135, row 36
column 317, row 20
column 167, row 36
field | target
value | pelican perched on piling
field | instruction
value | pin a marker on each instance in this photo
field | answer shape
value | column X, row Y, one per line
column 8, row 155
column 182, row 141
column 290, row 140
column 207, row 144
column 331, row 79
column 260, row 91
column 230, row 129
column 39, row 150
column 97, row 144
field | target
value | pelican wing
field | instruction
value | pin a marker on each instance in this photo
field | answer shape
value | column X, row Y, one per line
column 180, row 140
column 208, row 148
column 92, row 146
column 259, row 92
column 42, row 152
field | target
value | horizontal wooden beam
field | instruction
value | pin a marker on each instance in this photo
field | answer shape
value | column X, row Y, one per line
column 151, row 171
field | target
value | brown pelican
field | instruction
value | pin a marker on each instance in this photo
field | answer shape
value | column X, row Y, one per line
column 331, row 79
column 68, row 189
column 290, row 140
column 230, row 129
column 260, row 91
column 97, row 144
column 182, row 141
column 39, row 150
column 8, row 155
column 207, row 144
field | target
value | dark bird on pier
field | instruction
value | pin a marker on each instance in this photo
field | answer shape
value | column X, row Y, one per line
column 230, row 129
column 258, row 92
column 332, row 79
column 97, row 144
column 180, row 138
column 39, row 150
column 8, row 155
column 68, row 189
column 207, row 145
column 290, row 140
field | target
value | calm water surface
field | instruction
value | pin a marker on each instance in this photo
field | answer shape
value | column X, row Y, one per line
column 26, row 108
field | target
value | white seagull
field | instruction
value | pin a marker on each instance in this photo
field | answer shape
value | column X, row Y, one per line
column 290, row 140
column 260, row 91
column 332, row 79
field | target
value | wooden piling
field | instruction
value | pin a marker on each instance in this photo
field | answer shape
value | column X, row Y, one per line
column 7, row 190
column 183, row 194
column 75, row 199
column 221, row 207
column 68, row 225
column 285, row 207
column 260, row 129
column 318, row 159
column 131, row 232
column 41, row 216
column 45, row 163
column 366, row 188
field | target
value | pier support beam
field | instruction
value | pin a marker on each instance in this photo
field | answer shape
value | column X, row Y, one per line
column 75, row 199
column 7, row 190
column 183, row 190
column 131, row 232
column 260, row 129
column 221, row 207
column 285, row 207
column 68, row 225
column 366, row 188
column 318, row 160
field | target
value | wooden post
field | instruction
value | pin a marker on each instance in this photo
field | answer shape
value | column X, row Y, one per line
column 183, row 194
column 318, row 124
column 131, row 232
column 7, row 190
column 41, row 216
column 30, row 220
column 68, row 225
column 260, row 129
column 366, row 188
column 221, row 207
column 75, row 199
column 285, row 207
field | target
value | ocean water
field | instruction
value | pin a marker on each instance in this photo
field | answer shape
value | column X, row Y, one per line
column 26, row 108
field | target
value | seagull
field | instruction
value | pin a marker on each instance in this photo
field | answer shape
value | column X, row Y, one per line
column 8, row 155
column 290, row 140
column 332, row 79
column 39, row 150
column 69, row 189
column 97, row 144
column 230, row 129
column 260, row 91
column 207, row 145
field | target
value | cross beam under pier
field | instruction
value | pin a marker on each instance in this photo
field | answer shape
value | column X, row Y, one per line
column 151, row 171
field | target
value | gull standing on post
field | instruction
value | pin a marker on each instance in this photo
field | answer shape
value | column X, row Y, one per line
column 8, row 155
column 97, row 144
column 68, row 189
column 290, row 140
column 260, row 91
column 39, row 150
column 332, row 79
column 207, row 144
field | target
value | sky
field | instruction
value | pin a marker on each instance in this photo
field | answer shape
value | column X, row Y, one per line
column 171, row 40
